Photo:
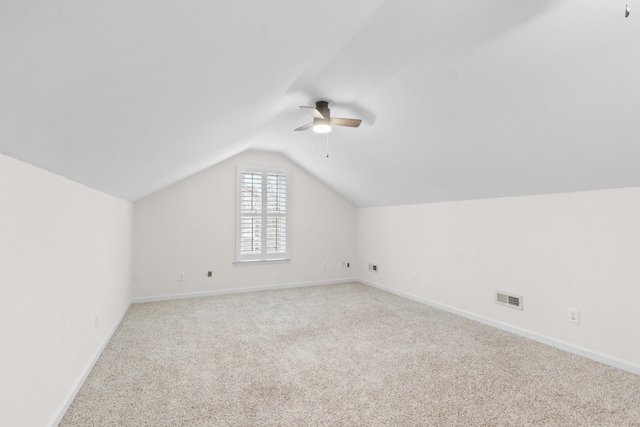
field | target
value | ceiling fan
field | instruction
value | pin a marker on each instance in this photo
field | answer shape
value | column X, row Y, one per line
column 322, row 120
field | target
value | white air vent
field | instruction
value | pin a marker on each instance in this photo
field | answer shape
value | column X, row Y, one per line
column 509, row 300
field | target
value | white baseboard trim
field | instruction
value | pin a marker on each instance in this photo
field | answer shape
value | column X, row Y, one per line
column 580, row 351
column 55, row 420
column 139, row 300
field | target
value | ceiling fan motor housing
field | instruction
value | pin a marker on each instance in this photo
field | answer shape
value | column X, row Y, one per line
column 323, row 108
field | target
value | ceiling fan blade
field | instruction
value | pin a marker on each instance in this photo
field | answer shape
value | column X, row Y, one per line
column 352, row 123
column 305, row 127
column 313, row 112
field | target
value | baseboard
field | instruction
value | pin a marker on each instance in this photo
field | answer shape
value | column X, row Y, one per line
column 138, row 300
column 593, row 355
column 76, row 388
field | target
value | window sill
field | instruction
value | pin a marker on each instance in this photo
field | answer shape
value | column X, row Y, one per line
column 262, row 261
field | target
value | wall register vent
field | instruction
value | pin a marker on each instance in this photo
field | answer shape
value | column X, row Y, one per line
column 509, row 300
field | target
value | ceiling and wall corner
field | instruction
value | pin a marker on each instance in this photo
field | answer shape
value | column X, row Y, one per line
column 459, row 100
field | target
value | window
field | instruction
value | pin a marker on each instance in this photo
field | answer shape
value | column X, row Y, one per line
column 262, row 224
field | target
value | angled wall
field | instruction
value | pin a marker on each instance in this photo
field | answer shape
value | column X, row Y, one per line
column 575, row 250
column 189, row 227
column 65, row 257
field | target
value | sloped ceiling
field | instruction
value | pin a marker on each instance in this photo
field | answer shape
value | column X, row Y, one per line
column 460, row 100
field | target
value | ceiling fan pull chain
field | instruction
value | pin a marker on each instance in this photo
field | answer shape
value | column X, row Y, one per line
column 327, row 145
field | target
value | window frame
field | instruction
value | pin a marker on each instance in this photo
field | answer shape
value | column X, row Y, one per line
column 263, row 256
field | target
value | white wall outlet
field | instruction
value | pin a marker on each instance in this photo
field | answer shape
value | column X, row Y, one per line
column 324, row 266
column 181, row 276
column 573, row 315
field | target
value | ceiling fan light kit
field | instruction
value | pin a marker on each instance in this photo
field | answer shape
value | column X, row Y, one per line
column 322, row 128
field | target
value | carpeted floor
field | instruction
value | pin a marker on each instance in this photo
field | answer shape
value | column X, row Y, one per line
column 344, row 355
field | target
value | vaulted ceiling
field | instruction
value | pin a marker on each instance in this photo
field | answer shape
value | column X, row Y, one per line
column 459, row 100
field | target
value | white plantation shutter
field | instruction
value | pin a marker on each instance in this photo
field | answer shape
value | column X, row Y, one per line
column 276, row 200
column 250, row 213
column 262, row 223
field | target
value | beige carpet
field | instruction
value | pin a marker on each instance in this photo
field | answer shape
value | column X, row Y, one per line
column 343, row 355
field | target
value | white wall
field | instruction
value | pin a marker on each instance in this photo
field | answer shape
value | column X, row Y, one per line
column 190, row 227
column 65, row 256
column 579, row 250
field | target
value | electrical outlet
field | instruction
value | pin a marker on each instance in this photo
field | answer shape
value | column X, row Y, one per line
column 209, row 273
column 573, row 315
column 373, row 267
column 324, row 266
column 181, row 276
